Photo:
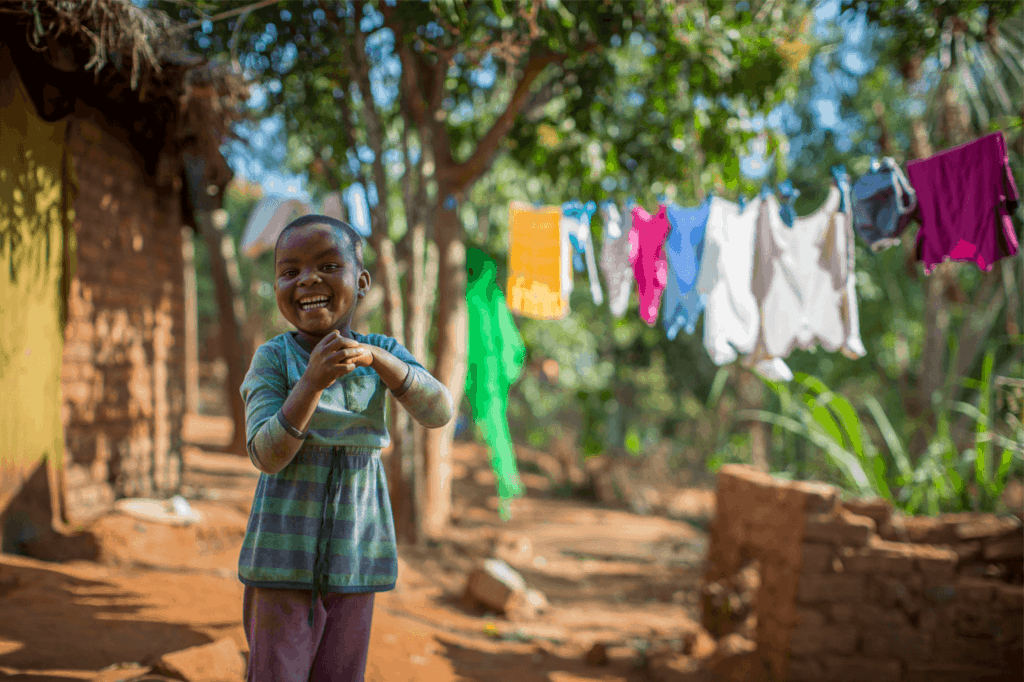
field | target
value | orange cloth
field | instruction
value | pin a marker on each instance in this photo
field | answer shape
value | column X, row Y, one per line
column 535, row 262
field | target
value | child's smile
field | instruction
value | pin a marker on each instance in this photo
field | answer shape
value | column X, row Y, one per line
column 318, row 282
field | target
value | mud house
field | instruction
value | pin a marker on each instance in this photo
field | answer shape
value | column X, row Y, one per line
column 98, row 109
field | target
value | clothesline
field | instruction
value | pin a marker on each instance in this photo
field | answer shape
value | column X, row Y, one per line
column 766, row 280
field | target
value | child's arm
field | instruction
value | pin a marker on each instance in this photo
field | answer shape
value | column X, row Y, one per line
column 273, row 442
column 425, row 398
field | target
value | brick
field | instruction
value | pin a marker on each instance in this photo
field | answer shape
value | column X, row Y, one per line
column 926, row 529
column 214, row 662
column 940, row 593
column 901, row 643
column 1010, row 597
column 868, row 615
column 808, row 617
column 904, row 593
column 975, row 590
column 816, row 558
column 837, row 639
column 849, row 669
column 877, row 509
column 987, row 526
column 978, row 622
column 951, row 672
column 1004, row 548
column 879, row 556
column 829, row 588
column 936, row 563
column 805, row 670
column 967, row 551
column 954, row 648
column 819, row 498
column 839, row 529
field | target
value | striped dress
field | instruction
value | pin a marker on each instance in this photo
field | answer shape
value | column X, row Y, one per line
column 324, row 522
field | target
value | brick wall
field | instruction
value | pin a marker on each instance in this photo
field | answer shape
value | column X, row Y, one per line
column 123, row 363
column 853, row 591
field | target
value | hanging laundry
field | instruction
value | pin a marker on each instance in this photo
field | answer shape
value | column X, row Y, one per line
column 883, row 204
column 803, row 282
column 647, row 255
column 615, row 263
column 789, row 195
column 965, row 197
column 575, row 226
column 731, row 315
column 495, row 360
column 684, row 250
column 535, row 257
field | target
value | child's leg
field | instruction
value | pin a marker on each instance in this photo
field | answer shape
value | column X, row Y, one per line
column 281, row 644
column 341, row 656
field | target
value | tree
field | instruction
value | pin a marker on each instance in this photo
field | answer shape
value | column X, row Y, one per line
column 469, row 72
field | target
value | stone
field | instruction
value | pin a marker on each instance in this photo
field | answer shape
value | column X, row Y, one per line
column 492, row 584
column 220, row 661
column 698, row 643
column 839, row 529
column 525, row 605
column 967, row 551
column 597, row 655
column 856, row 669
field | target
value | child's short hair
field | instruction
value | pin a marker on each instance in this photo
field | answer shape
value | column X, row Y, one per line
column 355, row 241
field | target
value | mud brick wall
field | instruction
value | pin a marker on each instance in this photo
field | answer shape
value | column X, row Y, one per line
column 852, row 591
column 123, row 362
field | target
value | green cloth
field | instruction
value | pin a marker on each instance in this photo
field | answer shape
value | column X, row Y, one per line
column 496, row 354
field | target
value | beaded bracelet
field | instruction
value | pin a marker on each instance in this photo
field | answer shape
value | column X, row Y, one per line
column 292, row 431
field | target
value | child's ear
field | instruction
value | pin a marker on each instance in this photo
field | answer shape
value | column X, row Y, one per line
column 364, row 284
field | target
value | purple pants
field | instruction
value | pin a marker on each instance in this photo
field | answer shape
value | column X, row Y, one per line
column 282, row 647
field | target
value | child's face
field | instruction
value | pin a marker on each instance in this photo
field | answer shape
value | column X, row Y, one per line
column 315, row 263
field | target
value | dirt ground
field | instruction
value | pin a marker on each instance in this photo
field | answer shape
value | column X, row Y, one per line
column 144, row 589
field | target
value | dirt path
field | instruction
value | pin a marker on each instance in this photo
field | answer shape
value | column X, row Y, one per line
column 624, row 580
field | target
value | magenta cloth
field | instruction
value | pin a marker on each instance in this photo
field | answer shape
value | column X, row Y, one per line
column 965, row 197
column 283, row 648
column 647, row 254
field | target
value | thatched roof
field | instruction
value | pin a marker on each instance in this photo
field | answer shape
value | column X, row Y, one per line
column 127, row 62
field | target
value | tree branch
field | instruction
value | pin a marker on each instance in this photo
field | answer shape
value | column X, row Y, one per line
column 473, row 167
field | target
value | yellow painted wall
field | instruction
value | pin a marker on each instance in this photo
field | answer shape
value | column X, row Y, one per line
column 34, row 212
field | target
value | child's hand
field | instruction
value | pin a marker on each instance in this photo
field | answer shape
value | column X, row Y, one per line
column 334, row 357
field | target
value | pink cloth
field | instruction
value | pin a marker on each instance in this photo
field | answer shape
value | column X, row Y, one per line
column 965, row 196
column 647, row 255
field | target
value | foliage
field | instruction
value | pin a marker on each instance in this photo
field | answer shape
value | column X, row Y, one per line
column 944, row 478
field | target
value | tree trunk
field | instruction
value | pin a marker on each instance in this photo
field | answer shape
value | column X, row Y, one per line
column 224, row 268
column 450, row 364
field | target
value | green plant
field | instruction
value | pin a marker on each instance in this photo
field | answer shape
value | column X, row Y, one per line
column 942, row 480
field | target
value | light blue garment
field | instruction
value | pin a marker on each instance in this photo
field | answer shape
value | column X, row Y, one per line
column 684, row 250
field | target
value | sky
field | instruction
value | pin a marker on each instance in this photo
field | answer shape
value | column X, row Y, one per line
column 261, row 163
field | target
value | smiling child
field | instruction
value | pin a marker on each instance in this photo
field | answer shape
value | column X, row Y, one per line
column 321, row 539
